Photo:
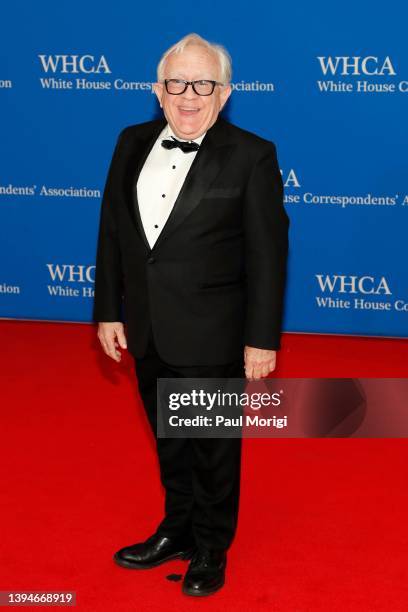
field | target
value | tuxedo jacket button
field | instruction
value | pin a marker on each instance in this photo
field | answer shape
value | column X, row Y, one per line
column 151, row 260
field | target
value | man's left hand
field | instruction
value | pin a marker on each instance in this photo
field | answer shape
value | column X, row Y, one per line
column 258, row 362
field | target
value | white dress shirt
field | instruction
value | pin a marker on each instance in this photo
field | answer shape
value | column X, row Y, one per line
column 160, row 182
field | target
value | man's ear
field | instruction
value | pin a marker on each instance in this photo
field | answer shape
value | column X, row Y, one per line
column 158, row 90
column 224, row 95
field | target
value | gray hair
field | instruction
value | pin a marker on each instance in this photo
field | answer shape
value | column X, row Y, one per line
column 221, row 54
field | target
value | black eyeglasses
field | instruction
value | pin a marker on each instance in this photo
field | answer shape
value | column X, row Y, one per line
column 201, row 88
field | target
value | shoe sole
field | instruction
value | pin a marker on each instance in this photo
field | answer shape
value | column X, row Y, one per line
column 185, row 555
column 195, row 594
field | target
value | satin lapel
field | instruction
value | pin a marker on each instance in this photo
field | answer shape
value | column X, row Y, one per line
column 204, row 170
column 139, row 151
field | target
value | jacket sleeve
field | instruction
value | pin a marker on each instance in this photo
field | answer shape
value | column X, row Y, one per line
column 266, row 227
column 108, row 274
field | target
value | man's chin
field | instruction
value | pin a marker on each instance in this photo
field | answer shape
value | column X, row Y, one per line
column 187, row 130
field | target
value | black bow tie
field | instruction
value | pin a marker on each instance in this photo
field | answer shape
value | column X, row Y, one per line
column 186, row 147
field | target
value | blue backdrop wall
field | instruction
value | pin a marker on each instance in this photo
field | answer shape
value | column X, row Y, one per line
column 328, row 83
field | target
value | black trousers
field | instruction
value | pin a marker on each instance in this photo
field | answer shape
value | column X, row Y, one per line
column 201, row 476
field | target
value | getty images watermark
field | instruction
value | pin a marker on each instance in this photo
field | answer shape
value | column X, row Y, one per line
column 229, row 406
column 286, row 407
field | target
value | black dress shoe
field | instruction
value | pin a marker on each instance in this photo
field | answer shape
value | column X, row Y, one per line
column 155, row 550
column 206, row 572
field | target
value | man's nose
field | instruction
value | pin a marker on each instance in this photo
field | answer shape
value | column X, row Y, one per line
column 190, row 94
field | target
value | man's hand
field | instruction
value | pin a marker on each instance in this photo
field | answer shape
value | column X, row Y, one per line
column 112, row 336
column 258, row 362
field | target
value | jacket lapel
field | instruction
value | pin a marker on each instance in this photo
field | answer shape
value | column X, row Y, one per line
column 139, row 151
column 208, row 162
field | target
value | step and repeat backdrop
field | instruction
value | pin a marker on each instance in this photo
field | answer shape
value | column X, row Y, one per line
column 327, row 83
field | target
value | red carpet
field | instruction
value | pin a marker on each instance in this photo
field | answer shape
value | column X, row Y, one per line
column 322, row 522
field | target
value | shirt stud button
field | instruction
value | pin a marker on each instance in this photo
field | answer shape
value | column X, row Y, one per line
column 156, row 226
column 163, row 195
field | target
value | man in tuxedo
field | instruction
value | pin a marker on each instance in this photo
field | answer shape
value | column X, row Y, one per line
column 191, row 257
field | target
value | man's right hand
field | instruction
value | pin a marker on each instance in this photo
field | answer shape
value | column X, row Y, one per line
column 112, row 336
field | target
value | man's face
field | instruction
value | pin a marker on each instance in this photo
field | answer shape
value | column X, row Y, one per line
column 189, row 114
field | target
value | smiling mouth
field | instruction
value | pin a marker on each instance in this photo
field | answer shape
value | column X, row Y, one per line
column 187, row 110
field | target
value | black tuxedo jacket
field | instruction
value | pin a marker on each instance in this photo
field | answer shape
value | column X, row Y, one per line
column 214, row 280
